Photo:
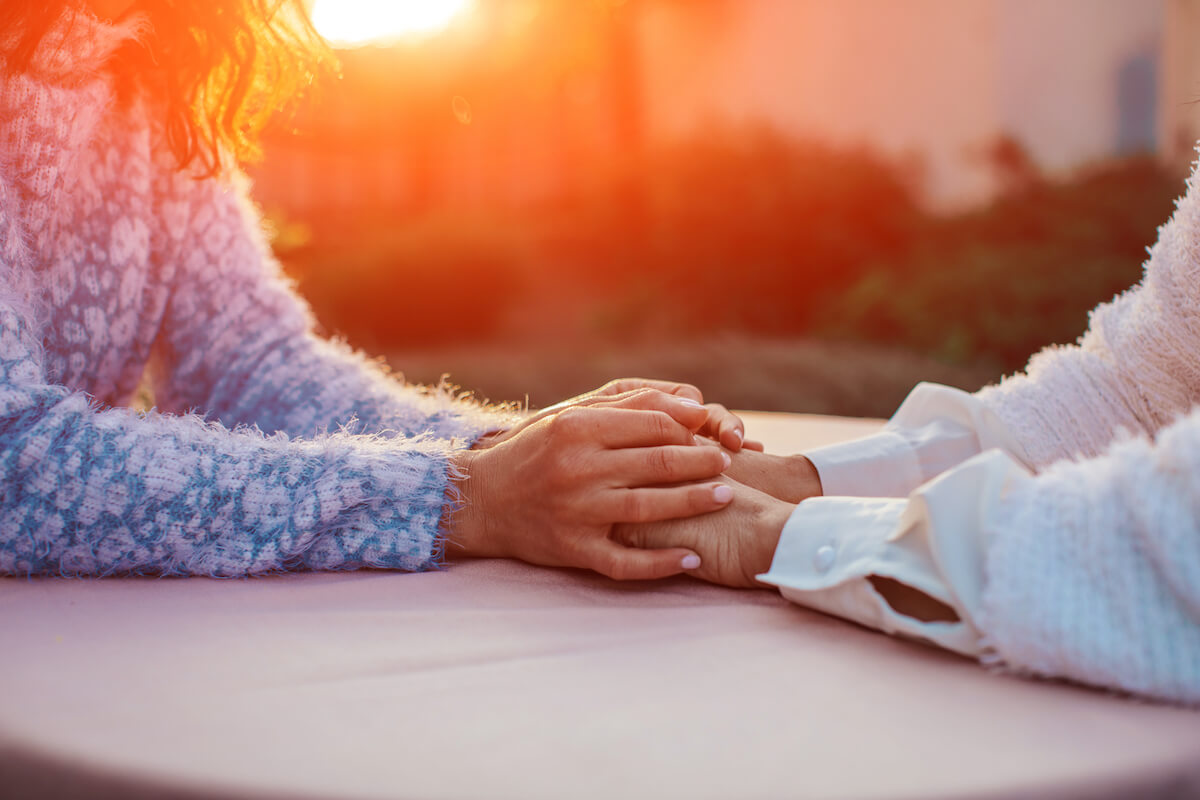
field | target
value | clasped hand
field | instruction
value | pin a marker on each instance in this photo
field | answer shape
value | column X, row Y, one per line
column 550, row 490
column 618, row 481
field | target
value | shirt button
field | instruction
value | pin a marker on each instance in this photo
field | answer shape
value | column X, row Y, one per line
column 823, row 558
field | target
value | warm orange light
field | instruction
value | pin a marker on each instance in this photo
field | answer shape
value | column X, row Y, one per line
column 352, row 22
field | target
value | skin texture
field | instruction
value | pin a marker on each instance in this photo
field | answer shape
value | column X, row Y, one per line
column 787, row 478
column 721, row 424
column 551, row 491
column 735, row 544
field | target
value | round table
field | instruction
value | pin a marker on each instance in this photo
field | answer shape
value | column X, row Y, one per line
column 496, row 679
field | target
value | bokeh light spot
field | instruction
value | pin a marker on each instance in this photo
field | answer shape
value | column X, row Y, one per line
column 356, row 22
column 462, row 109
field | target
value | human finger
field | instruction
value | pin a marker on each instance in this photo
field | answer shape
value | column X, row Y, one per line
column 687, row 411
column 621, row 427
column 623, row 563
column 614, row 428
column 754, row 444
column 725, row 426
column 622, row 385
column 650, row 466
column 683, row 410
column 659, row 503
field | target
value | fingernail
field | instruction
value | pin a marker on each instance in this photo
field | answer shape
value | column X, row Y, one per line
column 727, row 459
column 687, row 401
column 740, row 436
column 722, row 494
column 690, row 562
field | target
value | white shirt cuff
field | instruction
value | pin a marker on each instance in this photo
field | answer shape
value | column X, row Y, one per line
column 831, row 545
column 880, row 465
column 934, row 430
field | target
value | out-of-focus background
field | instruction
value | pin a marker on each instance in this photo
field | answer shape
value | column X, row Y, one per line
column 804, row 205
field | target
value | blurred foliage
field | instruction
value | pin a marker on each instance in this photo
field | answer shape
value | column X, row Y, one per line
column 1003, row 282
column 748, row 232
column 741, row 231
column 381, row 286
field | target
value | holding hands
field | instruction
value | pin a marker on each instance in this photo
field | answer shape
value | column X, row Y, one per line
column 737, row 543
column 636, row 480
column 720, row 425
column 550, row 490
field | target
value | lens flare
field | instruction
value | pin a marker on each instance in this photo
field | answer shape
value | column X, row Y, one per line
column 356, row 22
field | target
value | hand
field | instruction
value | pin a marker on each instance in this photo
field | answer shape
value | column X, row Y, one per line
column 788, row 478
column 551, row 493
column 734, row 544
column 720, row 424
column 738, row 543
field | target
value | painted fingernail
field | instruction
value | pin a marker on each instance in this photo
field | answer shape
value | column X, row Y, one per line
column 722, row 494
column 727, row 459
column 687, row 401
column 690, row 562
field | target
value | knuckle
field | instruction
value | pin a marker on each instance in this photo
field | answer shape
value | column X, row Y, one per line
column 662, row 426
column 661, row 463
column 644, row 397
column 633, row 506
column 568, row 422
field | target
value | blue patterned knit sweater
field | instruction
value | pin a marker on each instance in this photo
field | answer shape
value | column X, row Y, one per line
column 271, row 448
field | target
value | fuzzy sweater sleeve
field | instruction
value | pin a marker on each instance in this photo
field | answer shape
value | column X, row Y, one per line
column 238, row 344
column 99, row 492
column 1093, row 568
column 1135, row 369
column 89, row 491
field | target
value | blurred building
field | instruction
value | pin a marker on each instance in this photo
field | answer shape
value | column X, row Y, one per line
column 1071, row 80
column 1179, row 115
column 526, row 101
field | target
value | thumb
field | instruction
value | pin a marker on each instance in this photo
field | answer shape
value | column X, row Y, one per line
column 623, row 563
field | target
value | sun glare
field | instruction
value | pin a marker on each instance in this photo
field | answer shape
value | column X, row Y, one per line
column 354, row 22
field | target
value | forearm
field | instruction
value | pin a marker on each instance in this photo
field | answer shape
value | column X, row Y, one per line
column 1094, row 569
column 306, row 386
column 121, row 494
column 239, row 345
column 1134, row 370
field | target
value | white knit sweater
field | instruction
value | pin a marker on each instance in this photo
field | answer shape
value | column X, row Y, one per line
column 1094, row 568
column 1058, row 513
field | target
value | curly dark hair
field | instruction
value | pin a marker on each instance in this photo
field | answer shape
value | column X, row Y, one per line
column 222, row 67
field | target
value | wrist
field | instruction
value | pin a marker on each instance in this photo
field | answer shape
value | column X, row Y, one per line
column 803, row 479
column 490, row 438
column 464, row 525
column 770, row 520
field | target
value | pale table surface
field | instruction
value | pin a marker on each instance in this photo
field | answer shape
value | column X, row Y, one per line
column 494, row 679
